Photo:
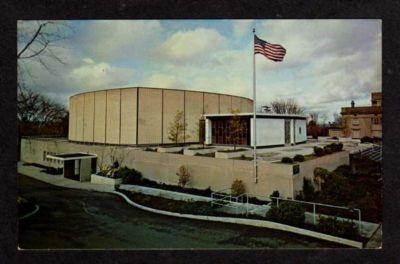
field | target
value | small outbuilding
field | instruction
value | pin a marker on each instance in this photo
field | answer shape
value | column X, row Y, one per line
column 76, row 166
column 272, row 129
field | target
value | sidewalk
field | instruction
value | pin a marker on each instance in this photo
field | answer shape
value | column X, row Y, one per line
column 60, row 181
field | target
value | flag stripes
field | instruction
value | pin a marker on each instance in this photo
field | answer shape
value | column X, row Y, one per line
column 273, row 52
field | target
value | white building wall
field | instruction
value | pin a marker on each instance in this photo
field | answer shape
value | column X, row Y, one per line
column 301, row 134
column 270, row 131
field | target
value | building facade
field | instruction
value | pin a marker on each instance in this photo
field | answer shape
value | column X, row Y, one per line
column 363, row 121
column 141, row 116
column 271, row 129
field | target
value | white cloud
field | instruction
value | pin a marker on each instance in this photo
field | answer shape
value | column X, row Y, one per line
column 106, row 40
column 241, row 27
column 192, row 45
column 163, row 80
column 100, row 75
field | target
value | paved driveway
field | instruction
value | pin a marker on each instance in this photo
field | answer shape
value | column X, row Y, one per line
column 85, row 219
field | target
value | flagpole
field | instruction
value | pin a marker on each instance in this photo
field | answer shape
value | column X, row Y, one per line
column 254, row 112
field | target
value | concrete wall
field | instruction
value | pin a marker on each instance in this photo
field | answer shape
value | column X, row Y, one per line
column 128, row 116
column 193, row 112
column 174, row 101
column 225, row 104
column 113, row 116
column 211, row 103
column 72, row 119
column 269, row 131
column 162, row 167
column 205, row 172
column 85, row 170
column 88, row 117
column 300, row 137
column 150, row 119
column 142, row 115
column 100, row 106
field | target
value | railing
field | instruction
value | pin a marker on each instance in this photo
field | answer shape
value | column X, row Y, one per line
column 223, row 198
column 229, row 200
column 374, row 153
column 314, row 205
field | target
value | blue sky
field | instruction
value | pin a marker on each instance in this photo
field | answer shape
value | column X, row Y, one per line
column 328, row 62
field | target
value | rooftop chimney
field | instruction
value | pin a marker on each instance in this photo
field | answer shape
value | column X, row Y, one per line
column 352, row 104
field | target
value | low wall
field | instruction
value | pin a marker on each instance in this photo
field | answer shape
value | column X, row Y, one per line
column 204, row 172
column 104, row 180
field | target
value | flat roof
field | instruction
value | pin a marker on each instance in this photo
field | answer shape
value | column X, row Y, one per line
column 262, row 115
column 71, row 156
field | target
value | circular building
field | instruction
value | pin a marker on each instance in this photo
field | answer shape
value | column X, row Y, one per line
column 141, row 115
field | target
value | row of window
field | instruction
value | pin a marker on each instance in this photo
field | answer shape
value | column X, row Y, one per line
column 375, row 121
column 45, row 158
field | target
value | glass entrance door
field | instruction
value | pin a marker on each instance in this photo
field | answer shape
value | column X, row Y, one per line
column 287, row 131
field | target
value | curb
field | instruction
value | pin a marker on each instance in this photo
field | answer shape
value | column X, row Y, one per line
column 31, row 213
column 250, row 222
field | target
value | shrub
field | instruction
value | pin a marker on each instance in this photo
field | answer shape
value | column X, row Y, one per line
column 274, row 194
column 299, row 158
column 129, row 176
column 320, row 176
column 237, row 188
column 318, row 151
column 328, row 150
column 183, row 175
column 290, row 213
column 335, row 147
column 287, row 160
column 308, row 190
column 343, row 228
column 367, row 140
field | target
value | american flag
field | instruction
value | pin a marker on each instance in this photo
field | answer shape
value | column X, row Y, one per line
column 273, row 52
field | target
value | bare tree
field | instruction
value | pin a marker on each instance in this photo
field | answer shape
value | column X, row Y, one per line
column 35, row 108
column 337, row 119
column 39, row 41
column 176, row 129
column 288, row 106
column 314, row 117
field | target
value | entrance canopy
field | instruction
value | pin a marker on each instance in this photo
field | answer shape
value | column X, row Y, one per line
column 77, row 165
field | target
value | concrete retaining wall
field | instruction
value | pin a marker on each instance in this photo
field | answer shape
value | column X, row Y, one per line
column 204, row 172
column 104, row 180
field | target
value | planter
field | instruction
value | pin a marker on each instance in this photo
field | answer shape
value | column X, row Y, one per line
column 97, row 179
column 169, row 149
column 192, row 152
column 229, row 155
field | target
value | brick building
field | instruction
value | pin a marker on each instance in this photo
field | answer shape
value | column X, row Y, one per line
column 363, row 121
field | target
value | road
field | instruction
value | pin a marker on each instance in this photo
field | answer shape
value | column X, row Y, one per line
column 78, row 219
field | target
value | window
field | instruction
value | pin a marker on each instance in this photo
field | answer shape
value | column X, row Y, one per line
column 377, row 120
column 299, row 130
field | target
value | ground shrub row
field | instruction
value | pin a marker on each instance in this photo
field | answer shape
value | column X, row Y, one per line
column 286, row 213
column 329, row 149
column 356, row 186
